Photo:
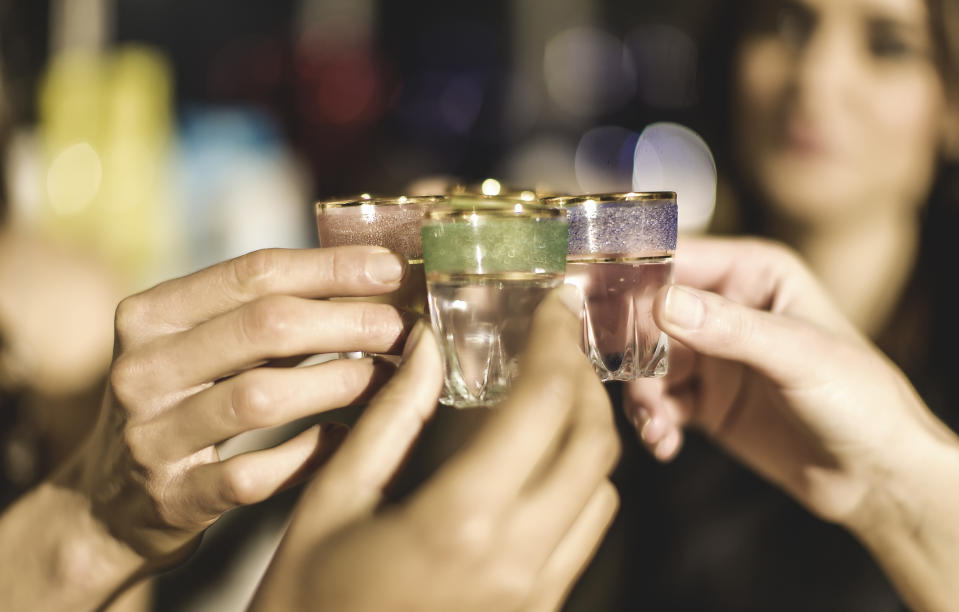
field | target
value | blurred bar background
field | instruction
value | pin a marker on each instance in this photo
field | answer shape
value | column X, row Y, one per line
column 150, row 138
column 165, row 136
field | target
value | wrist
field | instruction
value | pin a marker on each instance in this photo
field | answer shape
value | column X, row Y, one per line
column 910, row 478
column 65, row 558
column 907, row 520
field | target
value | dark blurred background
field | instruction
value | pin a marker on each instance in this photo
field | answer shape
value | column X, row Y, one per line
column 156, row 137
column 161, row 136
column 258, row 108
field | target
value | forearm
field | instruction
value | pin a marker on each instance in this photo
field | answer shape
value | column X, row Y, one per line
column 56, row 556
column 912, row 524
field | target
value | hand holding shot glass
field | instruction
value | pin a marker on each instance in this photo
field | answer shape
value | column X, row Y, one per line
column 621, row 249
column 489, row 262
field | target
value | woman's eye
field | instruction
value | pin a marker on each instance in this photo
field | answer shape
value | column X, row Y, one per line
column 890, row 47
column 794, row 25
column 785, row 20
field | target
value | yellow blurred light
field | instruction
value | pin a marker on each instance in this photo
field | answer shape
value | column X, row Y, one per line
column 491, row 187
column 73, row 179
column 527, row 196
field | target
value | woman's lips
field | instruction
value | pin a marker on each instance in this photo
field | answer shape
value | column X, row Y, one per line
column 804, row 139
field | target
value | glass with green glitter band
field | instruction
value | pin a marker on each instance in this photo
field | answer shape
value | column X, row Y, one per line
column 489, row 261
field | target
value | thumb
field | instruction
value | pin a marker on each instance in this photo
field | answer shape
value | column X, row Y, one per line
column 352, row 481
column 788, row 351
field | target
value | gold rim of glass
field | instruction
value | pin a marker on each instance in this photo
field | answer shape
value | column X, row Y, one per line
column 373, row 200
column 640, row 197
column 476, row 191
column 494, row 206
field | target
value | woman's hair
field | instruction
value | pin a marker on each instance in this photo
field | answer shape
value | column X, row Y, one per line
column 944, row 24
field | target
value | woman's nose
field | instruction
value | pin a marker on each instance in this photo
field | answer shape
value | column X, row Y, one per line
column 826, row 65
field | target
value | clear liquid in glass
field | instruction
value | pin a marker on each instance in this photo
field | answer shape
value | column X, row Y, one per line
column 621, row 339
column 481, row 322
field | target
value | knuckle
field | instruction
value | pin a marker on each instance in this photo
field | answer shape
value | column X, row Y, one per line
column 352, row 378
column 125, row 374
column 266, row 320
column 254, row 271
column 735, row 329
column 238, row 485
column 607, row 445
column 464, row 536
column 129, row 318
column 250, row 400
column 612, row 448
column 609, row 496
column 136, row 440
column 169, row 505
column 601, row 445
column 340, row 269
column 376, row 321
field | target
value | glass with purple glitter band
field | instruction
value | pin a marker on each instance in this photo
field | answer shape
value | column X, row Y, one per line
column 389, row 222
column 620, row 254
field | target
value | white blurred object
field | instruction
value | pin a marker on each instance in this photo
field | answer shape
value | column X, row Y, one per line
column 672, row 157
column 241, row 188
column 588, row 72
column 535, row 23
column 545, row 163
column 73, row 179
column 24, row 170
column 604, row 160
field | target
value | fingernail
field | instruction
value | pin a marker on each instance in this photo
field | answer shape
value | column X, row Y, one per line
column 385, row 267
column 667, row 447
column 572, row 297
column 684, row 308
column 652, row 430
column 413, row 340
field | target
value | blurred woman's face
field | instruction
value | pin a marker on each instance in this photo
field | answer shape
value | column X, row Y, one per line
column 838, row 106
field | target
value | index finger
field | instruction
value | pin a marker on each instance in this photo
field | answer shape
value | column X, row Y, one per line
column 184, row 302
column 510, row 447
column 757, row 273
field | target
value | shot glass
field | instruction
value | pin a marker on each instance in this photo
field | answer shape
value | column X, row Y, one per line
column 489, row 262
column 393, row 223
column 621, row 249
column 389, row 222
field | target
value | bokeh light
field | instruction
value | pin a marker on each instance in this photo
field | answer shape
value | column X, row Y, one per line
column 588, row 72
column 73, row 179
column 604, row 159
column 672, row 157
column 491, row 187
